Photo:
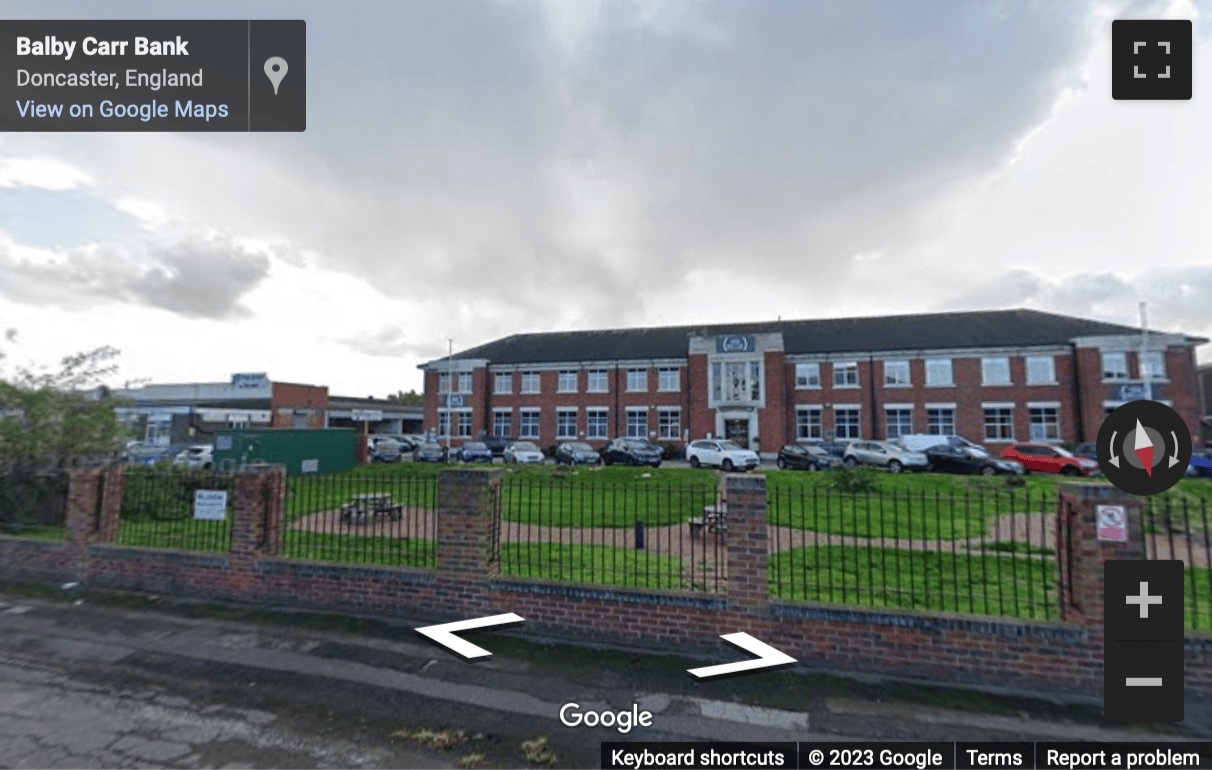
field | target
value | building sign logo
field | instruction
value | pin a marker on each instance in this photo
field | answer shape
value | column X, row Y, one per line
column 254, row 380
column 735, row 343
column 455, row 400
column 1135, row 391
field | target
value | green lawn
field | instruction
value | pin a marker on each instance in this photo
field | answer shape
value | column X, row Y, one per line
column 35, row 533
column 595, row 564
column 360, row 549
column 182, row 534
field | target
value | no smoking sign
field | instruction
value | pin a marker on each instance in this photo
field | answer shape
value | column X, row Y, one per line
column 1113, row 523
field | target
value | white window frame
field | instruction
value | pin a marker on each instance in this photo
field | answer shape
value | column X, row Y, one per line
column 806, row 427
column 464, row 382
column 592, row 375
column 857, row 411
column 1150, row 372
column 1054, row 407
column 500, row 379
column 846, row 367
column 532, row 382
column 1009, row 410
column 808, row 376
column 497, row 414
column 633, row 375
column 1003, row 364
column 597, row 416
column 931, row 424
column 1120, row 374
column 933, row 380
column 900, row 410
column 562, row 414
column 463, row 425
column 896, row 367
column 749, row 388
column 669, row 379
column 1031, row 380
column 443, row 382
column 630, row 428
column 524, row 416
column 669, row 429
column 566, row 381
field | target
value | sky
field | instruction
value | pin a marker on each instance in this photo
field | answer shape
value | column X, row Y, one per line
column 473, row 169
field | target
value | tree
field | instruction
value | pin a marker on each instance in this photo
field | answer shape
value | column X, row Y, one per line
column 411, row 398
column 51, row 414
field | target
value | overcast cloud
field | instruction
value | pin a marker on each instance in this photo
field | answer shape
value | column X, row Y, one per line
column 478, row 169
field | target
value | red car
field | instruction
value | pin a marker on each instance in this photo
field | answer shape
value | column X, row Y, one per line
column 1050, row 459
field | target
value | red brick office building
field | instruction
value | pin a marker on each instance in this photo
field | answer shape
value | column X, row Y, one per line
column 991, row 376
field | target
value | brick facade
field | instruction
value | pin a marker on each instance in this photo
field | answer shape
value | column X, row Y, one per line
column 1059, row 657
column 299, row 406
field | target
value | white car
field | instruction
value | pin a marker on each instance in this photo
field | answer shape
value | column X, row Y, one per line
column 885, row 454
column 721, row 454
column 385, row 449
column 199, row 457
column 523, row 452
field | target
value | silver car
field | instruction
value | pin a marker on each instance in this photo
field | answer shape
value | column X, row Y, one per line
column 885, row 454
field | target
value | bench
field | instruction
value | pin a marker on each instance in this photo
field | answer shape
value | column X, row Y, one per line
column 364, row 507
column 714, row 519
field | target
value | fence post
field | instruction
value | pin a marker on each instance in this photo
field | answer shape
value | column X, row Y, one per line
column 83, row 493
column 467, row 507
column 748, row 553
column 257, row 509
column 109, row 510
column 1085, row 553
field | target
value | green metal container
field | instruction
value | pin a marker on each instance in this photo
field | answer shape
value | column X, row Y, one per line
column 306, row 450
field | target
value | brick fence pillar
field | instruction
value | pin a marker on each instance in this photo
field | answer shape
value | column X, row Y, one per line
column 84, row 491
column 747, row 544
column 257, row 505
column 1081, row 554
column 468, row 502
column 113, row 483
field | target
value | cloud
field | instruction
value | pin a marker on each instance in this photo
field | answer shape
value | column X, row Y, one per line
column 43, row 173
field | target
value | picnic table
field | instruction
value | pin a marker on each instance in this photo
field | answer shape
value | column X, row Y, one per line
column 714, row 519
column 366, row 506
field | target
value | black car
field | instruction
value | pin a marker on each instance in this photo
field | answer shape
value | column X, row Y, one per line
column 497, row 444
column 805, row 456
column 632, row 451
column 429, row 452
column 577, row 453
column 948, row 458
column 1088, row 449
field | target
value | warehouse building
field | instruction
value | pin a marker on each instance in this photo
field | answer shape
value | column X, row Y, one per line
column 991, row 376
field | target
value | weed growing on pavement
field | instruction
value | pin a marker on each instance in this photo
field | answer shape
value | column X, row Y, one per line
column 539, row 752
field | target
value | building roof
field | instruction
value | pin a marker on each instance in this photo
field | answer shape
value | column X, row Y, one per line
column 934, row 331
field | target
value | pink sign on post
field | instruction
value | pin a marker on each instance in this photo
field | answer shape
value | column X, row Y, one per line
column 1113, row 523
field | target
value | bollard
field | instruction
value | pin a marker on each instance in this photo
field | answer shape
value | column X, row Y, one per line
column 639, row 536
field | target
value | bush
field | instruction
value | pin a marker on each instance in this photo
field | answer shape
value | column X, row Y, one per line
column 671, row 450
column 858, row 480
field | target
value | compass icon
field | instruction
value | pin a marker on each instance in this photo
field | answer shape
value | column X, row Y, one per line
column 1144, row 447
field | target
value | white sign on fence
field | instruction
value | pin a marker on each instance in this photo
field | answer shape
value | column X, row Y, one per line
column 210, row 504
column 1113, row 523
column 311, row 466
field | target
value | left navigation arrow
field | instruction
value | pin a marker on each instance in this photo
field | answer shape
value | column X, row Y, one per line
column 445, row 633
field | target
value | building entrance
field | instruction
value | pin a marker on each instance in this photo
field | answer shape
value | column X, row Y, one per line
column 737, row 430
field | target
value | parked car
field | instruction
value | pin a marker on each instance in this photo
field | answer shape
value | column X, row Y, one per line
column 721, row 453
column 577, row 453
column 1050, row 459
column 948, row 458
column 1087, row 449
column 632, row 451
column 809, row 456
column 385, row 449
column 523, row 452
column 1200, row 471
column 199, row 457
column 920, row 442
column 475, row 452
column 498, row 444
column 429, row 452
column 885, row 454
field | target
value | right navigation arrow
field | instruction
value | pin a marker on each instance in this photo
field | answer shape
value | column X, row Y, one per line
column 767, row 657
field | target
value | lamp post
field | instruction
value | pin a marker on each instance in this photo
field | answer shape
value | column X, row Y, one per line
column 449, row 390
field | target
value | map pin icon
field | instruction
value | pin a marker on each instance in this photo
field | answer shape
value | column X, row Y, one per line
column 275, row 70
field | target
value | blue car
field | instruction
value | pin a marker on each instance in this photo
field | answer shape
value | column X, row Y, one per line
column 475, row 452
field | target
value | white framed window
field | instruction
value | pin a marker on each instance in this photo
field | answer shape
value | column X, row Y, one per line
column 637, row 422
column 1045, row 422
column 940, row 421
column 999, row 423
column 444, row 423
column 597, row 381
column 808, row 375
column 669, row 379
column 845, row 374
column 464, row 382
column 847, row 422
column 566, row 423
column 938, row 372
column 462, row 423
column 530, row 382
column 463, row 426
column 736, row 381
column 566, row 382
column 444, row 382
column 1115, row 366
column 896, row 374
column 995, row 370
column 808, row 423
column 637, row 380
column 597, row 423
column 1041, row 370
column 898, row 421
column 528, row 426
column 1153, row 365
column 669, row 423
column 502, row 424
column 502, row 383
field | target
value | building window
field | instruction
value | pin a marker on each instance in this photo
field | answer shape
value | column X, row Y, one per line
column 847, row 422
column 502, row 424
column 896, row 374
column 529, row 427
column 637, row 423
column 1115, row 366
column 464, row 382
column 669, row 424
column 999, row 424
column 637, row 380
column 940, row 422
column 669, row 379
column 464, row 425
column 502, row 383
column 567, row 381
column 444, row 382
column 530, row 382
column 899, row 421
column 845, row 374
column 596, row 423
column 995, row 371
column 566, row 423
column 808, row 423
column 443, row 423
column 1153, row 365
column 938, row 372
column 807, row 375
column 596, row 381
column 1045, row 423
column 736, row 381
column 1041, row 370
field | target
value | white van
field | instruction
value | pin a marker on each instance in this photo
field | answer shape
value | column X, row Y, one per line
column 920, row 442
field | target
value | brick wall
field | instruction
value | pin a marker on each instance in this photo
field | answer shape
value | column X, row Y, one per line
column 310, row 401
column 1062, row 657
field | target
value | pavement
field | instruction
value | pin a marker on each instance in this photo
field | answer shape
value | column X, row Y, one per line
column 93, row 679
